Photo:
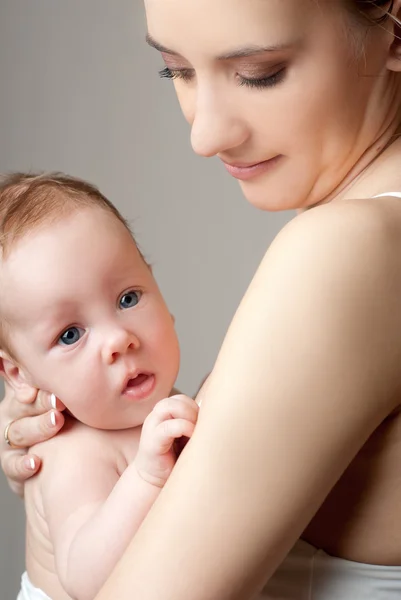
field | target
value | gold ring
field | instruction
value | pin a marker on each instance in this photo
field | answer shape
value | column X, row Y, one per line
column 6, row 434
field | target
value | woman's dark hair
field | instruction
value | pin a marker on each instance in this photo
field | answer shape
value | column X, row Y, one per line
column 375, row 11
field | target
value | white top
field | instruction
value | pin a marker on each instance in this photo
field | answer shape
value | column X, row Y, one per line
column 394, row 194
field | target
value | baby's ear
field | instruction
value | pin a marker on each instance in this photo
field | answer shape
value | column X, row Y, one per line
column 12, row 373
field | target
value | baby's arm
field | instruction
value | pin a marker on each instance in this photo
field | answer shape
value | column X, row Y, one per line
column 92, row 513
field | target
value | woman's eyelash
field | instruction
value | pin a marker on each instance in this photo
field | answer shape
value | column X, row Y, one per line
column 259, row 83
column 264, row 82
column 167, row 73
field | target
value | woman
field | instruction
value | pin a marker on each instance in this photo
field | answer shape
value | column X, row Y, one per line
column 299, row 435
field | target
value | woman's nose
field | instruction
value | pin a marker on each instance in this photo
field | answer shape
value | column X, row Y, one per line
column 216, row 127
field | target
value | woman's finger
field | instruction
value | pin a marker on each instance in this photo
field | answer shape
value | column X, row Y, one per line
column 45, row 401
column 18, row 467
column 26, row 432
column 41, row 403
column 25, row 395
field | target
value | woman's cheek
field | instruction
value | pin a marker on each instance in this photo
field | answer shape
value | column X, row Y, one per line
column 186, row 100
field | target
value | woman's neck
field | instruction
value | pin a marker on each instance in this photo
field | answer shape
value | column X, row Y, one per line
column 378, row 169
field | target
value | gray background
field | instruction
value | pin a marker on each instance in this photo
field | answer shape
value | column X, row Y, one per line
column 80, row 93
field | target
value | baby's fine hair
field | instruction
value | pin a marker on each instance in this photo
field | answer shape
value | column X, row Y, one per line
column 31, row 200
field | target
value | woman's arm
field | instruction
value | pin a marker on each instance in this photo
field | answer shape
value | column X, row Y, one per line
column 32, row 422
column 308, row 370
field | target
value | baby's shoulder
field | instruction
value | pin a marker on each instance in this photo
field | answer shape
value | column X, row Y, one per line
column 73, row 437
column 77, row 441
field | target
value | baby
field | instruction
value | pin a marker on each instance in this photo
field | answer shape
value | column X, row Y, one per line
column 81, row 316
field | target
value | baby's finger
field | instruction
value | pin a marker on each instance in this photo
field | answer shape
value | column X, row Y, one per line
column 168, row 431
column 29, row 431
column 188, row 406
column 176, row 407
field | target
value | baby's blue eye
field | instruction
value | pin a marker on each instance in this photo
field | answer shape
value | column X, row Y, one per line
column 71, row 336
column 129, row 299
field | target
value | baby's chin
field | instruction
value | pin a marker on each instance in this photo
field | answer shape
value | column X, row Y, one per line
column 113, row 423
column 126, row 417
column 128, row 411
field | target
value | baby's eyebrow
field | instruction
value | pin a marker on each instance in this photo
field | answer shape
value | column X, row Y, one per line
column 53, row 321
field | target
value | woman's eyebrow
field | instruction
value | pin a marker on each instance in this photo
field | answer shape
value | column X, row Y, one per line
column 152, row 42
column 253, row 50
column 238, row 53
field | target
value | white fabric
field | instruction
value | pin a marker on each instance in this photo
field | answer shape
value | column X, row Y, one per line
column 29, row 592
column 394, row 194
column 310, row 574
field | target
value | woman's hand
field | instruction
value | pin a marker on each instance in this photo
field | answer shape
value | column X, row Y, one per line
column 31, row 417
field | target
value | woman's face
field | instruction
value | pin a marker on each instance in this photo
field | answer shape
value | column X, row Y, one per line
column 287, row 93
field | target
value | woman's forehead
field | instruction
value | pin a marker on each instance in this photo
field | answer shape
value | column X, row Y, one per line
column 219, row 26
column 225, row 17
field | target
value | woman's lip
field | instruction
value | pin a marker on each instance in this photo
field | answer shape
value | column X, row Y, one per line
column 245, row 172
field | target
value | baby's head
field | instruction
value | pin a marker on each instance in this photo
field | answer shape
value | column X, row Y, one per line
column 81, row 314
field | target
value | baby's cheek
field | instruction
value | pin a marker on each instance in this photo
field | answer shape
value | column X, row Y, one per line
column 44, row 375
column 75, row 386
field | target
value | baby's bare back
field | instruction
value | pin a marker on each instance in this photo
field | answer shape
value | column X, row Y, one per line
column 120, row 447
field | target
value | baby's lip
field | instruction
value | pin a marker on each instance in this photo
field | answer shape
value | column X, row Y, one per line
column 139, row 387
column 134, row 375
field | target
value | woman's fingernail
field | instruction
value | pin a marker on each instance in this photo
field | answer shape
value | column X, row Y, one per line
column 53, row 419
column 53, row 401
column 29, row 463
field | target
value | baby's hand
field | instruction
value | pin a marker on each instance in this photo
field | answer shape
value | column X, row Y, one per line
column 171, row 418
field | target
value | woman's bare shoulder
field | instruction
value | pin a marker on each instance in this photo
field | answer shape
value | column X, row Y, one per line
column 351, row 225
column 344, row 243
column 328, row 293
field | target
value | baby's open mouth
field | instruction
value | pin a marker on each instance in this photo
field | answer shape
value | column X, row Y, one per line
column 138, row 380
column 140, row 386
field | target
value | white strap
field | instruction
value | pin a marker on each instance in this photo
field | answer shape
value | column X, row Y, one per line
column 394, row 194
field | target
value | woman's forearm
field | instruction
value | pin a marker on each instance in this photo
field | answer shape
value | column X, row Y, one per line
column 188, row 561
column 286, row 409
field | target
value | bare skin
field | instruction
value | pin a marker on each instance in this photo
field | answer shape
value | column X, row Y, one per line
column 305, row 439
column 34, row 424
column 359, row 519
column 243, row 493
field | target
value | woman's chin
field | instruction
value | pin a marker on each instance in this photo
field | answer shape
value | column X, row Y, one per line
column 269, row 198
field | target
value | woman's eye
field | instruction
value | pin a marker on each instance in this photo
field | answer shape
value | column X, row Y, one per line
column 264, row 82
column 129, row 299
column 184, row 74
column 71, row 336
